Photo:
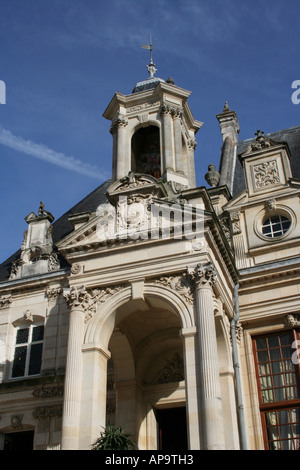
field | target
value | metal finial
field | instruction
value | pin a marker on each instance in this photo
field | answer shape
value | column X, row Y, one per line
column 151, row 67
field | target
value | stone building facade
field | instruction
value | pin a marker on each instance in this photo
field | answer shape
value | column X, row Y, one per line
column 156, row 304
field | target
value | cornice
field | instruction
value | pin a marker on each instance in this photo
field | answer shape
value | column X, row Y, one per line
column 269, row 275
column 33, row 282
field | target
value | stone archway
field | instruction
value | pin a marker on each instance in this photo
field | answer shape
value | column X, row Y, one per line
column 143, row 337
column 147, row 353
column 145, row 151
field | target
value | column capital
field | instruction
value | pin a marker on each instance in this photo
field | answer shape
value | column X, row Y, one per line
column 78, row 298
column 177, row 112
column 118, row 121
column 204, row 275
column 165, row 109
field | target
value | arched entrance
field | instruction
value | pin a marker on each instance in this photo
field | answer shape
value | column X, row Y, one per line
column 147, row 355
column 146, row 371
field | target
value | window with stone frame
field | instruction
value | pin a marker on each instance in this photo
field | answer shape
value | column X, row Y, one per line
column 278, row 380
column 275, row 226
column 28, row 350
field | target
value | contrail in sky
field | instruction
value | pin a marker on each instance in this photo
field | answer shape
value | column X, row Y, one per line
column 44, row 153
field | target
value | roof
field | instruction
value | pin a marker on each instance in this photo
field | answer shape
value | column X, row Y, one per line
column 147, row 84
column 290, row 136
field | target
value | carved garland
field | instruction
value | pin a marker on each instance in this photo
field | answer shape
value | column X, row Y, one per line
column 185, row 283
column 181, row 283
column 88, row 300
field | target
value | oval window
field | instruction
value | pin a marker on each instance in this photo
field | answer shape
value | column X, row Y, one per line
column 275, row 226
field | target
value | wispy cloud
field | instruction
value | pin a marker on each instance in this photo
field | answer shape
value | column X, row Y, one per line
column 42, row 152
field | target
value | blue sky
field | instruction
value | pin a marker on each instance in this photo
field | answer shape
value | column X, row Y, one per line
column 63, row 60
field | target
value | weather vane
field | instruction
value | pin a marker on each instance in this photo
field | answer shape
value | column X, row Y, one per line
column 151, row 67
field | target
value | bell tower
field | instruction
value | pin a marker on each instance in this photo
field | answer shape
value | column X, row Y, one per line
column 154, row 131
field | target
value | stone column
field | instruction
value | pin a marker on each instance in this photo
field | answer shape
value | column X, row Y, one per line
column 177, row 113
column 167, row 137
column 204, row 276
column 121, row 164
column 78, row 302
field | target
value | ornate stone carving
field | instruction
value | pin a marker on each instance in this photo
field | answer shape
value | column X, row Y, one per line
column 133, row 180
column 177, row 187
column 47, row 411
column 173, row 371
column 174, row 111
column 118, row 121
column 48, row 392
column 270, row 204
column 292, row 320
column 143, row 106
column 53, row 262
column 266, row 174
column 134, row 213
column 235, row 221
column 75, row 268
column 192, row 144
column 197, row 245
column 98, row 296
column 181, row 284
column 38, row 253
column 5, row 301
column 53, row 292
column 226, row 226
column 14, row 270
column 143, row 117
column 28, row 316
column 165, row 109
column 80, row 298
column 261, row 141
column 238, row 331
column 16, row 421
column 177, row 112
column 204, row 275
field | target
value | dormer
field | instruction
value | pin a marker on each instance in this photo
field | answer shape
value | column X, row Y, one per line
column 38, row 255
column 266, row 166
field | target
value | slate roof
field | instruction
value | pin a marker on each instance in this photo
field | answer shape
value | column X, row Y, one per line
column 290, row 136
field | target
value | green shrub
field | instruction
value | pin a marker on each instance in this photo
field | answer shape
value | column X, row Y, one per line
column 114, row 438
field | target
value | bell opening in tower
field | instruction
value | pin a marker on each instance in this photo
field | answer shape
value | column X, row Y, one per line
column 145, row 151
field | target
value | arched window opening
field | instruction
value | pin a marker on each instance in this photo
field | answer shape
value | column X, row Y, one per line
column 145, row 151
